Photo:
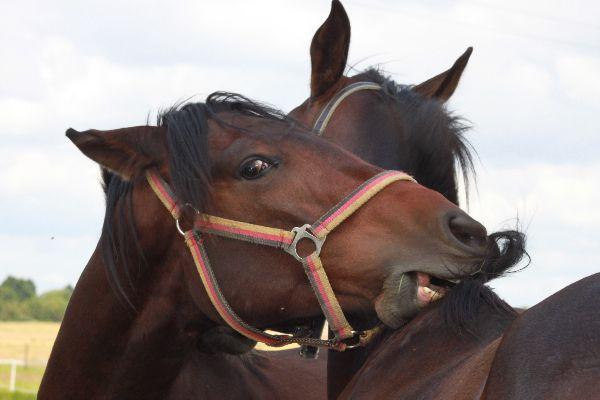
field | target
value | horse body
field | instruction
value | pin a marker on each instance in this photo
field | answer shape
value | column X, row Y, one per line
column 426, row 359
column 165, row 348
column 252, row 375
column 540, row 354
column 106, row 351
column 551, row 351
column 407, row 127
column 398, row 127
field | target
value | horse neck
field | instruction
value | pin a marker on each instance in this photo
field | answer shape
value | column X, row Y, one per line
column 105, row 348
column 442, row 353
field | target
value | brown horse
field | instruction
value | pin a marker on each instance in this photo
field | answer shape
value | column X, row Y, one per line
column 413, row 132
column 551, row 351
column 139, row 323
column 426, row 359
column 457, row 338
column 393, row 126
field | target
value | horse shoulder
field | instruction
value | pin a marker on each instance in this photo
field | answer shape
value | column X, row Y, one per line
column 553, row 349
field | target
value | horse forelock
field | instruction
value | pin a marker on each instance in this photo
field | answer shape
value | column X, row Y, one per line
column 441, row 155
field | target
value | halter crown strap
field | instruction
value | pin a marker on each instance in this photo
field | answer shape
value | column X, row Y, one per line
column 279, row 238
column 333, row 104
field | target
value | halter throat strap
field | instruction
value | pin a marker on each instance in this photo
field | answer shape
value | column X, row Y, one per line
column 286, row 240
column 333, row 104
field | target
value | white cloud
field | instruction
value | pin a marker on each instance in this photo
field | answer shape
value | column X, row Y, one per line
column 531, row 90
column 51, row 261
column 579, row 78
column 555, row 205
column 548, row 194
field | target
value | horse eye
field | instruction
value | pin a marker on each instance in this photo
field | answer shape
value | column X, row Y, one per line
column 254, row 168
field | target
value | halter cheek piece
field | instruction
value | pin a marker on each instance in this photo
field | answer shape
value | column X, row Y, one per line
column 345, row 336
column 319, row 129
column 333, row 104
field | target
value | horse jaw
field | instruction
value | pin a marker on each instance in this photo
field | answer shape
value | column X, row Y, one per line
column 223, row 339
column 404, row 294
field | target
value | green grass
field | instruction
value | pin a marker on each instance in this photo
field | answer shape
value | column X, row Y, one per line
column 20, row 341
column 5, row 395
column 28, row 378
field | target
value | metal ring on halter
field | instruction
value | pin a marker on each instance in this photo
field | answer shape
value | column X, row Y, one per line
column 303, row 233
column 181, row 232
column 286, row 240
column 358, row 343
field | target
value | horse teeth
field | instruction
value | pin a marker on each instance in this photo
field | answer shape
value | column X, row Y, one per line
column 432, row 294
column 428, row 290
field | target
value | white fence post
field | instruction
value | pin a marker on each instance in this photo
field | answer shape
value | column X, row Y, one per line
column 12, row 383
column 13, row 376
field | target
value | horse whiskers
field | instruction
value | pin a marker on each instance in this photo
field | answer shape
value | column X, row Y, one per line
column 400, row 284
column 456, row 277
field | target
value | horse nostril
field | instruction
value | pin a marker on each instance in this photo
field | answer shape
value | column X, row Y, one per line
column 468, row 231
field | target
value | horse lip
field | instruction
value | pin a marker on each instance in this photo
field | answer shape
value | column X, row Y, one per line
column 454, row 278
column 404, row 294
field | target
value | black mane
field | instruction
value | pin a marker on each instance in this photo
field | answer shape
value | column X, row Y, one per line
column 437, row 146
column 435, row 134
column 187, row 126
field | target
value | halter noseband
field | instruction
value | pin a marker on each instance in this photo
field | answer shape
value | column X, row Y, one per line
column 345, row 336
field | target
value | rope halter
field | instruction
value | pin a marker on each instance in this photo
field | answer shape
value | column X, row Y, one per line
column 344, row 335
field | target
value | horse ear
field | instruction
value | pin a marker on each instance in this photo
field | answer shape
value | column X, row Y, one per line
column 128, row 152
column 442, row 86
column 329, row 50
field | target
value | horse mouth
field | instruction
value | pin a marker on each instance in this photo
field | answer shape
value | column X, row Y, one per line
column 405, row 294
column 430, row 288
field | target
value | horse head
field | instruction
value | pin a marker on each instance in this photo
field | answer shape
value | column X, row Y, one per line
column 233, row 159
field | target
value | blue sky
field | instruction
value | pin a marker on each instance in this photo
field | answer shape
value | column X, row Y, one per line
column 531, row 92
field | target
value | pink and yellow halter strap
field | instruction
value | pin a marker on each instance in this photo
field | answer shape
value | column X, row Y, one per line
column 279, row 238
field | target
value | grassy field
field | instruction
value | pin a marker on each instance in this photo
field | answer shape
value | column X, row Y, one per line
column 4, row 395
column 28, row 378
column 29, row 342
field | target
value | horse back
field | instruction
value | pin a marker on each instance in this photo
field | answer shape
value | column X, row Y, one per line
column 552, row 351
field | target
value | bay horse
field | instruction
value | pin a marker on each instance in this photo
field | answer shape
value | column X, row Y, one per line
column 230, row 169
column 413, row 132
column 460, row 339
column 551, row 351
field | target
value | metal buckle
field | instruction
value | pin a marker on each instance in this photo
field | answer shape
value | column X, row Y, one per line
column 181, row 232
column 354, row 340
column 303, row 233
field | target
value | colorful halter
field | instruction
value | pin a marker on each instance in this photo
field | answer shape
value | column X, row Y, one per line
column 332, row 105
column 345, row 336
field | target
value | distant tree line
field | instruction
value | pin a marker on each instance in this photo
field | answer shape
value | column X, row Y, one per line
column 20, row 302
